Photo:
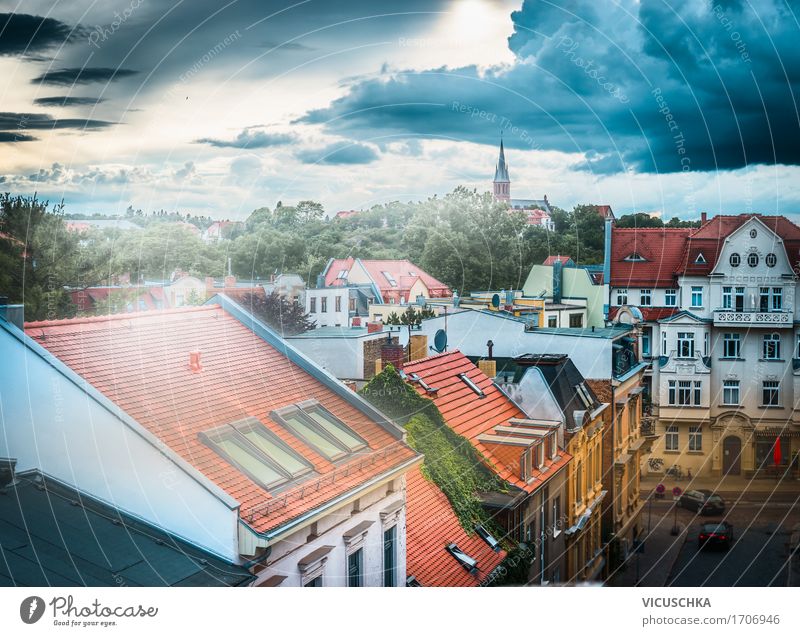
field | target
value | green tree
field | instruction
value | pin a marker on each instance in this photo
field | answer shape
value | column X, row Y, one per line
column 287, row 317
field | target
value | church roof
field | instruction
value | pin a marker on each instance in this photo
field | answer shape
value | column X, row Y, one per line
column 501, row 172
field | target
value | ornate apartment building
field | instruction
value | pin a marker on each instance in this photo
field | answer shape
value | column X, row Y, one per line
column 718, row 320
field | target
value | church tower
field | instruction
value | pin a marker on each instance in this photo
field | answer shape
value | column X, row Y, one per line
column 502, row 184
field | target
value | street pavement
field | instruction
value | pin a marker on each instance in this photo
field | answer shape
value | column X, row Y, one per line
column 758, row 557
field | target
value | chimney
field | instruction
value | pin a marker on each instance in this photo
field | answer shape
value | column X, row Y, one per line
column 230, row 281
column 703, row 217
column 375, row 327
column 195, row 365
column 418, row 346
column 356, row 321
column 209, row 283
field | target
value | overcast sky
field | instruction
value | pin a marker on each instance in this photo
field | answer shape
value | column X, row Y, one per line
column 216, row 108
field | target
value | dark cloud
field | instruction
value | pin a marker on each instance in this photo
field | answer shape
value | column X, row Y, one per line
column 89, row 75
column 250, row 139
column 23, row 34
column 12, row 137
column 653, row 86
column 68, row 101
column 338, row 153
column 22, row 122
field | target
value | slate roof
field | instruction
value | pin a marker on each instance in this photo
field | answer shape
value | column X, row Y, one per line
column 51, row 535
column 141, row 362
column 471, row 416
column 431, row 525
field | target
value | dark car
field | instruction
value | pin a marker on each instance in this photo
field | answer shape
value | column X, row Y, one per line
column 703, row 501
column 718, row 535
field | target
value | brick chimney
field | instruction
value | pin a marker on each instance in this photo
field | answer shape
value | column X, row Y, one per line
column 230, row 281
column 374, row 327
column 703, row 217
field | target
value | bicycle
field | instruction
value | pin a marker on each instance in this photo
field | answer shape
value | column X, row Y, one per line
column 674, row 471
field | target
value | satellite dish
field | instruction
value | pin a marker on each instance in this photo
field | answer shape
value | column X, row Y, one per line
column 496, row 301
column 440, row 341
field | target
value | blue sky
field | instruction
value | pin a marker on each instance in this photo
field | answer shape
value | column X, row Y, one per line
column 220, row 108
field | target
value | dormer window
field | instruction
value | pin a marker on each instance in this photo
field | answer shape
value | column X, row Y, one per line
column 583, row 394
column 700, row 260
column 635, row 257
column 466, row 561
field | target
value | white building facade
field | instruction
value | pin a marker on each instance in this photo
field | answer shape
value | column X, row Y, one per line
column 720, row 324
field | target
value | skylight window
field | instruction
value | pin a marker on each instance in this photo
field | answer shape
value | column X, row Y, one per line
column 320, row 429
column 484, row 534
column 584, row 395
column 466, row 561
column 257, row 452
column 475, row 388
column 342, row 274
column 390, row 278
column 700, row 260
column 635, row 257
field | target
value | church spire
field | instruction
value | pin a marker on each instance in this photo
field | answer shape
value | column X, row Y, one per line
column 502, row 182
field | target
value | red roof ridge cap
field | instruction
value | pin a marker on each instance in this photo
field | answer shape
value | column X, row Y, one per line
column 444, row 354
column 123, row 316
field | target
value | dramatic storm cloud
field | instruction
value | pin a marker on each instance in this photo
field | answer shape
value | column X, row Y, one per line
column 250, row 139
column 23, row 34
column 70, row 76
column 68, row 101
column 645, row 86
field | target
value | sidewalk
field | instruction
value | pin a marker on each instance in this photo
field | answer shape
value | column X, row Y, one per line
column 730, row 487
column 656, row 562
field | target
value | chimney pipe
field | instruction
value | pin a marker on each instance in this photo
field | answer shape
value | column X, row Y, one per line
column 703, row 217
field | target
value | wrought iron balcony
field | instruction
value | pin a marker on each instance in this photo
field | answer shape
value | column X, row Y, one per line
column 753, row 318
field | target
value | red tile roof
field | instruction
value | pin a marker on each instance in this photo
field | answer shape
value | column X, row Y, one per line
column 87, row 299
column 649, row 314
column 471, row 416
column 672, row 252
column 141, row 362
column 431, row 525
column 662, row 249
column 404, row 272
column 552, row 259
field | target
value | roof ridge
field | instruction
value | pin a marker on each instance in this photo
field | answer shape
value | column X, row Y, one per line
column 37, row 324
column 443, row 354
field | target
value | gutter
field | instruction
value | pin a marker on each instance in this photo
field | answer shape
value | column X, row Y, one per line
column 273, row 536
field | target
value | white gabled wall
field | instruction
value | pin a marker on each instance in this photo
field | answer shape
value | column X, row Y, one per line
column 49, row 423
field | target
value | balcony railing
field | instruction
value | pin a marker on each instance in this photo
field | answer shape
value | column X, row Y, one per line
column 753, row 318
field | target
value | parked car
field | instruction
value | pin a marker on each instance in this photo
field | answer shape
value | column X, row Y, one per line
column 716, row 535
column 703, row 501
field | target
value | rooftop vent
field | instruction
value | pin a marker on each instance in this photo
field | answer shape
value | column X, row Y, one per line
column 475, row 388
column 195, row 366
column 466, row 561
column 418, row 380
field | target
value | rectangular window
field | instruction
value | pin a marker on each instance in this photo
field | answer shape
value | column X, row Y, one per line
column 738, row 299
column 646, row 297
column 797, row 348
column 575, row 320
column 312, row 308
column 390, row 557
column 324, row 304
column 315, row 582
column 697, row 296
column 338, row 303
column 671, row 399
column 320, row 429
column 684, row 392
column 352, row 304
column 730, row 392
column 664, row 351
column 622, row 296
column 390, row 279
column 556, row 515
column 763, row 299
column 671, row 297
column 671, row 437
column 552, row 322
column 705, row 343
column 698, row 385
column 731, row 345
column 695, row 438
column 772, row 346
column 771, row 393
column 777, row 298
column 727, row 297
column 331, row 425
column 646, row 342
column 355, row 568
column 685, row 344
column 579, row 483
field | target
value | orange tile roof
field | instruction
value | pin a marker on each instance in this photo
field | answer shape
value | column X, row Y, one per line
column 403, row 271
column 471, row 416
column 141, row 362
column 431, row 525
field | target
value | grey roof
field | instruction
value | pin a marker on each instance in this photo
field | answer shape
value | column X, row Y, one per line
column 531, row 204
column 501, row 171
column 52, row 535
